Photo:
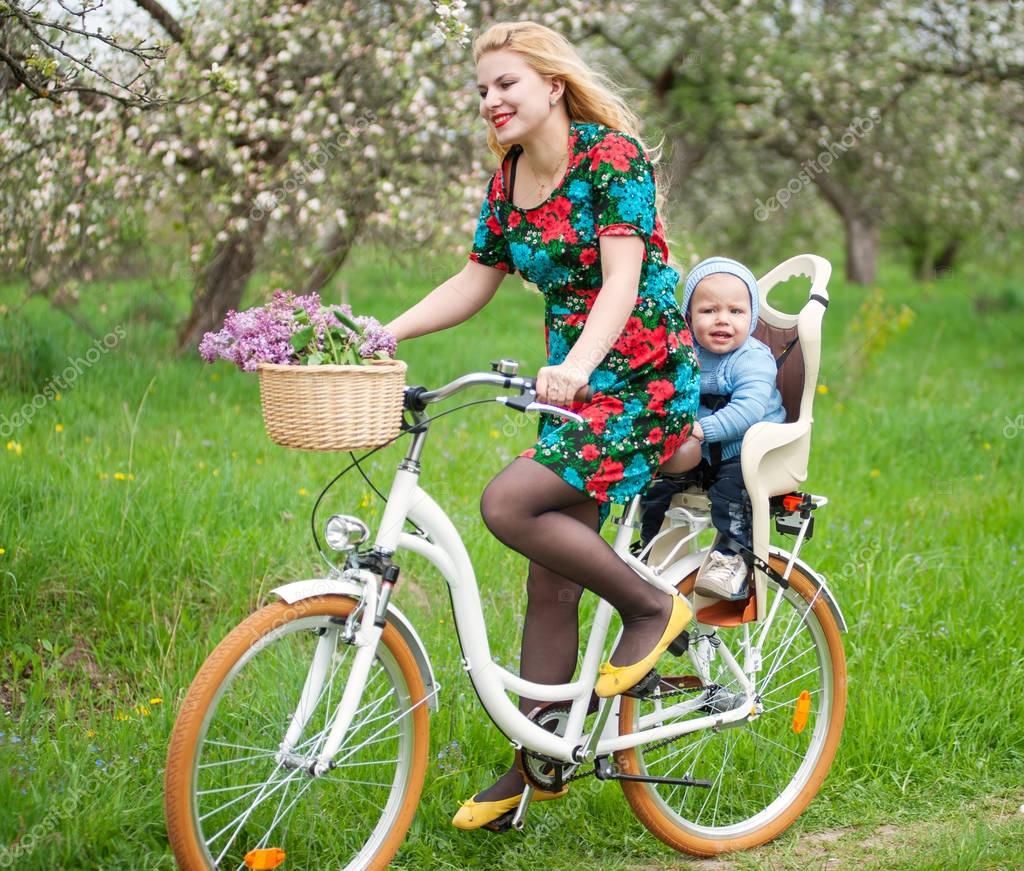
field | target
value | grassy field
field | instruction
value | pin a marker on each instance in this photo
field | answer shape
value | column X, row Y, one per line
column 143, row 512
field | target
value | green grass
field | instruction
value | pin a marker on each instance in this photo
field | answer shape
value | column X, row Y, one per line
column 160, row 515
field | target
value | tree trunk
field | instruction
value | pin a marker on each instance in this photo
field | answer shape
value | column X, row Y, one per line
column 947, row 257
column 861, row 249
column 220, row 288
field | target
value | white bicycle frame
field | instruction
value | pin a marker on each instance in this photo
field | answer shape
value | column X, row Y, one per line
column 441, row 544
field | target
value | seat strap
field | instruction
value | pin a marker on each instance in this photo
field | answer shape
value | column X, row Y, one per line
column 785, row 352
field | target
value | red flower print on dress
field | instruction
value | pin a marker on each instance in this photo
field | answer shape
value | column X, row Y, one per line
column 643, row 346
column 493, row 225
column 659, row 391
column 598, row 412
column 588, row 256
column 553, row 219
column 672, row 443
column 654, row 436
column 613, row 149
column 529, row 453
column 607, row 474
column 590, row 452
column 514, row 219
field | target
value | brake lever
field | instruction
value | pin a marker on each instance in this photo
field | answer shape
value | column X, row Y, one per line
column 527, row 403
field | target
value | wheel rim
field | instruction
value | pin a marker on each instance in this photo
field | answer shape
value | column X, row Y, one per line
column 337, row 820
column 759, row 768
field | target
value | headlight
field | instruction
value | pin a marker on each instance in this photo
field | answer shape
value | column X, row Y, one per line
column 342, row 532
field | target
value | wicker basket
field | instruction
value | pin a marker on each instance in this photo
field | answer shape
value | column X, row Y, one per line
column 332, row 408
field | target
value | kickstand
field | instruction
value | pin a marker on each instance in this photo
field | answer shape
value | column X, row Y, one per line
column 519, row 819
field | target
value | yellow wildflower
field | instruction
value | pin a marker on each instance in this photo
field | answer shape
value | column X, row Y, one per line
column 142, row 710
column 56, row 397
column 59, row 428
column 979, row 477
column 119, row 476
column 202, row 464
column 259, row 461
column 14, row 446
column 2, row 551
column 216, row 473
column 302, row 491
column 120, row 715
column 875, row 473
column 495, row 434
column 986, row 446
column 90, row 733
column 88, row 440
column 156, row 700
column 822, row 389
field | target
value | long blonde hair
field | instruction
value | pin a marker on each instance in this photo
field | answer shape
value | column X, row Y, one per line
column 589, row 95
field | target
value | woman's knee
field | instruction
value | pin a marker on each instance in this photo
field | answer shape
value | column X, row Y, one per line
column 496, row 507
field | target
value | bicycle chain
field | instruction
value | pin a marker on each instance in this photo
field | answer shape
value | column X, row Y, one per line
column 655, row 746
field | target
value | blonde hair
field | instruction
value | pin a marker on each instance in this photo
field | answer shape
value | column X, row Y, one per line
column 589, row 95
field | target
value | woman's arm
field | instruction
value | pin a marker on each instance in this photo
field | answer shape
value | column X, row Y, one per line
column 450, row 303
column 621, row 261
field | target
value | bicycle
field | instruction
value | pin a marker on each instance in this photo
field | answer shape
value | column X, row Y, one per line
column 330, row 687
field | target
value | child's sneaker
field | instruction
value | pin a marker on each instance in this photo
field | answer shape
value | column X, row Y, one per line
column 723, row 576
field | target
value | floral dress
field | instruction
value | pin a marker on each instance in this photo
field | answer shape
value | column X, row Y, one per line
column 646, row 390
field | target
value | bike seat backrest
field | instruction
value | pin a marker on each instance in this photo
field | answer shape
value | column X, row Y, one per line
column 790, row 379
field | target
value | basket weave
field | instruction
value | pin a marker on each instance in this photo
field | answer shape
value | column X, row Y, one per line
column 332, row 408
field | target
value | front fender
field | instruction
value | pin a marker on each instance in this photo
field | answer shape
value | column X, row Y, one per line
column 296, row 591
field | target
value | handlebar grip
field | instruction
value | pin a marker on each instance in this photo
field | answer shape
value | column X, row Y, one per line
column 584, row 394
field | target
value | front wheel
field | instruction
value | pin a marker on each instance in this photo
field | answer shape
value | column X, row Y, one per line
column 764, row 771
column 233, row 800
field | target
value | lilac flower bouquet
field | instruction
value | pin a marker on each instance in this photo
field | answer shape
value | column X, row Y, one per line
column 297, row 330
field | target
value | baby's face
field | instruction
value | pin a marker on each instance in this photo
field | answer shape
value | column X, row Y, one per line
column 720, row 313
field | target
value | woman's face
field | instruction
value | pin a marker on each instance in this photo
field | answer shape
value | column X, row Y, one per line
column 720, row 313
column 514, row 99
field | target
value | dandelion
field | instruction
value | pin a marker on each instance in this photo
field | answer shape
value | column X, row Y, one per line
column 822, row 389
column 142, row 710
column 2, row 551
column 986, row 446
column 56, row 397
column 14, row 446
column 302, row 491
column 875, row 473
column 121, row 716
column 59, row 428
column 156, row 700
column 365, row 501
column 495, row 434
column 216, row 473
column 90, row 733
column 121, row 476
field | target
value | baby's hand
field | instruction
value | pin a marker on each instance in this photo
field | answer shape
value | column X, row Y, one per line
column 697, row 432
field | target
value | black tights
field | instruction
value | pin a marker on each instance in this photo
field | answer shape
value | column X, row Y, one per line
column 530, row 509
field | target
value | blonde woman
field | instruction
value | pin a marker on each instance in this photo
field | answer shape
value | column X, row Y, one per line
column 571, row 207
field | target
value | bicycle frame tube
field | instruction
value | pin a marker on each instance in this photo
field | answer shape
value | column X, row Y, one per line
column 442, row 545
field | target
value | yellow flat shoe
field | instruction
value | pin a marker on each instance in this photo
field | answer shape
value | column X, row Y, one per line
column 615, row 679
column 476, row 814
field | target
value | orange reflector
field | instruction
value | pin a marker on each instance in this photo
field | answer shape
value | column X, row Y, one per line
column 792, row 502
column 803, row 708
column 264, row 860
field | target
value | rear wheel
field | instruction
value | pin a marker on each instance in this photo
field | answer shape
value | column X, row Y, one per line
column 764, row 771
column 229, row 794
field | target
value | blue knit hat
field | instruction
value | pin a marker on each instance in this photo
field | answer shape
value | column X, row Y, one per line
column 713, row 265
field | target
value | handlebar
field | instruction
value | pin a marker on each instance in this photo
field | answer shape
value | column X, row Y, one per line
column 418, row 398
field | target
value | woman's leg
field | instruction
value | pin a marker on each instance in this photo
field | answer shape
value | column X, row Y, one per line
column 524, row 506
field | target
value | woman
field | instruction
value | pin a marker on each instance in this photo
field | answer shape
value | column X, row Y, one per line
column 572, row 208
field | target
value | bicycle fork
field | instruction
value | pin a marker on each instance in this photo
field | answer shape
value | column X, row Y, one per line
column 360, row 631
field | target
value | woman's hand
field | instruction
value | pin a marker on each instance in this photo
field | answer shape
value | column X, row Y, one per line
column 697, row 433
column 558, row 385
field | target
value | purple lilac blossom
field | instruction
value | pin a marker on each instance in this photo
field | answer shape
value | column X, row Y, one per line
column 263, row 335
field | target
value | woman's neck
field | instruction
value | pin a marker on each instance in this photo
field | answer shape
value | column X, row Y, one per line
column 545, row 150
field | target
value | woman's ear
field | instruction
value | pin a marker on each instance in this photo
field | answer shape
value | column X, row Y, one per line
column 557, row 90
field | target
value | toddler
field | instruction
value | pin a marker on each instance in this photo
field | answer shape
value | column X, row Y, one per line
column 737, row 390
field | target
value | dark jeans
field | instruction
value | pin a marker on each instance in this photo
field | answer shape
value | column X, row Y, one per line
column 730, row 504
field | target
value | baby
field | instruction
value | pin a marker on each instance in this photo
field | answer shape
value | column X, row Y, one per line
column 737, row 390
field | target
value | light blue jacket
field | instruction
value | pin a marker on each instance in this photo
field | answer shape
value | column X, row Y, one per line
column 747, row 374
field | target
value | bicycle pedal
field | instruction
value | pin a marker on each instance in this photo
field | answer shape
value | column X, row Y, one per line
column 645, row 686
column 681, row 644
column 502, row 824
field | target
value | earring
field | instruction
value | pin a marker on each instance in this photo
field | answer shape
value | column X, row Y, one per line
column 553, row 102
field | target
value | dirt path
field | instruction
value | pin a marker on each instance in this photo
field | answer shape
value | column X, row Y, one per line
column 985, row 836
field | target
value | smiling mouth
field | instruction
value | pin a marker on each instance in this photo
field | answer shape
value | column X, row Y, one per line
column 501, row 120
